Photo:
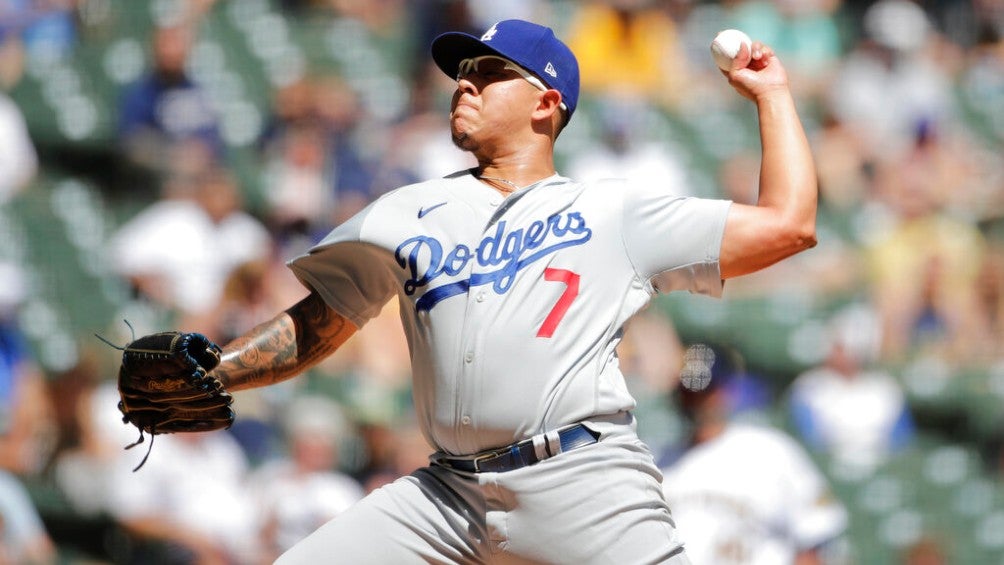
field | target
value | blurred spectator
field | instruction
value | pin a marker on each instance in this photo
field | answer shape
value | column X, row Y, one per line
column 296, row 8
column 981, row 88
column 26, row 415
column 969, row 23
column 992, row 453
column 18, row 160
column 743, row 493
column 629, row 48
column 314, row 173
column 623, row 149
column 396, row 448
column 374, row 369
column 179, row 251
column 484, row 14
column 804, row 33
column 26, row 429
column 340, row 112
column 924, row 267
column 11, row 60
column 844, row 168
column 650, row 355
column 893, row 79
column 380, row 356
column 46, row 28
column 962, row 177
column 299, row 192
column 928, row 550
column 84, row 470
column 188, row 504
column 252, row 293
column 371, row 374
column 380, row 16
column 429, row 18
column 23, row 538
column 165, row 106
column 92, row 436
column 300, row 493
column 823, row 398
column 423, row 147
column 991, row 287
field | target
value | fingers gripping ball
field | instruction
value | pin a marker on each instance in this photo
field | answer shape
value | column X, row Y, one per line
column 726, row 46
column 165, row 386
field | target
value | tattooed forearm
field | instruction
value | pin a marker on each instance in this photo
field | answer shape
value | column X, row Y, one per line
column 283, row 347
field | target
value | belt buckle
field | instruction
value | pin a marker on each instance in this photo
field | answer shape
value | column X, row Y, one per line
column 491, row 455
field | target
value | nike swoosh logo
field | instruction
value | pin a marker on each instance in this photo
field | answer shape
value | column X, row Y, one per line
column 423, row 211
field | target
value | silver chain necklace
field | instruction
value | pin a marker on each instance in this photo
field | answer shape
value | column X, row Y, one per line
column 514, row 186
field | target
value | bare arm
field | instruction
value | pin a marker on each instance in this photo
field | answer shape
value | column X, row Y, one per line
column 283, row 347
column 783, row 222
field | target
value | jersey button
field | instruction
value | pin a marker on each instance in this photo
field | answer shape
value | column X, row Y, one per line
column 469, row 356
column 481, row 297
column 466, row 420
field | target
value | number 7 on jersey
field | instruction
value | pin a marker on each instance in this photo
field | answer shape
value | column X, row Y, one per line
column 571, row 281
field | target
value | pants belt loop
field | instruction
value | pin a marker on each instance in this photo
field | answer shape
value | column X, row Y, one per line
column 553, row 445
column 539, row 446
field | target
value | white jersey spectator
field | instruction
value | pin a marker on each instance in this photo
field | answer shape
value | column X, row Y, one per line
column 849, row 382
column 180, row 251
column 623, row 150
column 23, row 537
column 299, row 494
column 190, row 496
column 751, row 496
column 742, row 493
column 18, row 160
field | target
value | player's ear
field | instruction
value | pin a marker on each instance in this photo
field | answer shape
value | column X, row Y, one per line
column 549, row 108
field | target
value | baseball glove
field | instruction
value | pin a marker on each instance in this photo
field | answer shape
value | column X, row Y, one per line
column 165, row 386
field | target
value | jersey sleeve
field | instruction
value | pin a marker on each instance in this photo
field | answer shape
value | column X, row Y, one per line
column 674, row 242
column 352, row 275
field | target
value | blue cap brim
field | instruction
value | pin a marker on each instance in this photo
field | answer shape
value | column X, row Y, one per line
column 452, row 47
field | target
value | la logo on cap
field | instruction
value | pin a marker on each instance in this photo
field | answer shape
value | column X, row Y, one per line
column 490, row 33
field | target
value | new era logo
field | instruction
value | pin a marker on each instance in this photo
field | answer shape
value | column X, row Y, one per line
column 549, row 69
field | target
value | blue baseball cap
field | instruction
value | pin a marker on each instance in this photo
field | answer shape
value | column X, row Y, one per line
column 531, row 46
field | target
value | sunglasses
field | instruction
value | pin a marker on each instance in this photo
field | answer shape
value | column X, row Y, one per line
column 470, row 65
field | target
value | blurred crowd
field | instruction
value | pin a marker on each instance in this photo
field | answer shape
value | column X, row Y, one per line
column 904, row 105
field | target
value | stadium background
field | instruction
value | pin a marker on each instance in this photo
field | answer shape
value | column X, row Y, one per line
column 67, row 64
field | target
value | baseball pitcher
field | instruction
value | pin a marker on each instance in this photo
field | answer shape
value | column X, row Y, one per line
column 514, row 283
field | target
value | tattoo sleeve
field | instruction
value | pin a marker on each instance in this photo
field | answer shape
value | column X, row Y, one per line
column 284, row 346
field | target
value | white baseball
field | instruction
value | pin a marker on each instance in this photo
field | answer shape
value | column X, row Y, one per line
column 726, row 45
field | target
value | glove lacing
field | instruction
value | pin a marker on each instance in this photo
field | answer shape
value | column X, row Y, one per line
column 149, row 448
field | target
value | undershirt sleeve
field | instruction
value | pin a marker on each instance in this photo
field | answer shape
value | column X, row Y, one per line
column 351, row 275
column 674, row 242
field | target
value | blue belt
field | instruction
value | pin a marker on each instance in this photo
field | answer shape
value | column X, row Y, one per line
column 521, row 454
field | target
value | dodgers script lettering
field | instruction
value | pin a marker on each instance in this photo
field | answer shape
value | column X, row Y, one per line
column 500, row 256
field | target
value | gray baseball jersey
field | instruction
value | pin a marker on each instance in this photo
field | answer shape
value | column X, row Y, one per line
column 513, row 306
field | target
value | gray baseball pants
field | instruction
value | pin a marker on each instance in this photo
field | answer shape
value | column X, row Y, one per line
column 598, row 504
